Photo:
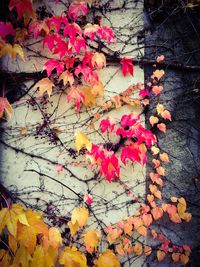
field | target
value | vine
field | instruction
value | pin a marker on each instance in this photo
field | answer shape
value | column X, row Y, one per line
column 76, row 44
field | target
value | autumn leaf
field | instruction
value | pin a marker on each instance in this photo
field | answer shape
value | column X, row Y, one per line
column 160, row 58
column 23, row 7
column 22, row 257
column 166, row 115
column 91, row 239
column 98, row 60
column 55, row 239
column 89, row 97
column 158, row 74
column 106, row 34
column 107, row 124
column 184, row 259
column 76, row 95
column 162, row 127
column 175, row 257
column 155, row 150
column 127, row 66
column 137, row 249
column 147, row 219
column 6, row 28
column 12, row 51
column 81, row 140
column 108, row 259
column 5, row 106
column 44, row 85
column 38, row 257
column 164, row 157
column 80, row 215
column 77, row 8
column 98, row 89
column 66, row 76
column 160, row 108
column 160, row 255
column 157, row 89
column 90, row 30
column 157, row 213
column 52, row 64
column 153, row 120
column 71, row 257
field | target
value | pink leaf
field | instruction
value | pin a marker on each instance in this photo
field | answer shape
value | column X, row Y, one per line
column 88, row 199
column 22, row 7
column 107, row 124
column 76, row 9
column 6, row 29
column 52, row 64
column 106, row 33
column 76, row 95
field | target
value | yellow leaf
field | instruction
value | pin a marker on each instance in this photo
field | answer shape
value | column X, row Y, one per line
column 155, row 150
column 160, row 255
column 12, row 51
column 98, row 60
column 70, row 257
column 98, row 89
column 80, row 215
column 89, row 99
column 82, row 141
column 66, row 76
column 22, row 257
column 91, row 239
column 160, row 108
column 44, row 85
column 38, row 257
column 164, row 157
column 108, row 259
column 4, row 258
column 74, row 228
column 12, row 242
column 55, row 238
column 153, row 120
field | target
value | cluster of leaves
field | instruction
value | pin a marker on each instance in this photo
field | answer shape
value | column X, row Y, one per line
column 27, row 239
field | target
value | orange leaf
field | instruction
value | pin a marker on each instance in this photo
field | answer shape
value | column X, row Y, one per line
column 164, row 157
column 70, row 257
column 184, row 259
column 157, row 213
column 66, row 76
column 161, row 171
column 166, row 115
column 160, row 108
column 55, row 238
column 158, row 74
column 162, row 127
column 147, row 219
column 147, row 250
column 157, row 89
column 160, row 255
column 176, row 257
column 5, row 106
column 137, row 249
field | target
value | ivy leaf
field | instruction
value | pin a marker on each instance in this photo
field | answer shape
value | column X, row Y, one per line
column 82, row 141
column 12, row 51
column 76, row 95
column 77, row 8
column 91, row 239
column 66, row 76
column 127, row 66
column 22, row 257
column 55, row 239
column 108, row 259
column 90, row 30
column 5, row 106
column 6, row 28
column 70, row 257
column 52, row 64
column 157, row 213
column 24, row 8
column 44, row 85
column 157, row 89
column 160, row 255
column 37, row 27
column 80, row 215
column 106, row 33
column 161, row 127
column 98, row 60
column 106, row 124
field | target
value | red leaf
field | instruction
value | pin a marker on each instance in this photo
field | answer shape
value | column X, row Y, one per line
column 107, row 124
column 72, row 30
column 110, row 166
column 76, row 9
column 127, row 66
column 77, row 43
column 134, row 153
column 143, row 93
column 88, row 74
column 50, row 41
column 52, row 64
column 57, row 21
column 6, row 29
column 129, row 120
column 22, row 7
column 62, row 48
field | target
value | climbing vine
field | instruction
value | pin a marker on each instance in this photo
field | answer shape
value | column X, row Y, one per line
column 76, row 43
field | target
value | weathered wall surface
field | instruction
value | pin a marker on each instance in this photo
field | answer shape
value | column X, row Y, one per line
column 174, row 32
